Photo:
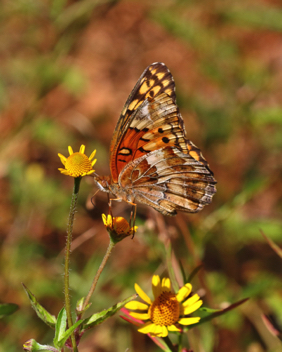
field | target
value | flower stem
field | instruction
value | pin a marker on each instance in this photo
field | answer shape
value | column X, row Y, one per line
column 96, row 278
column 180, row 342
column 169, row 344
column 67, row 258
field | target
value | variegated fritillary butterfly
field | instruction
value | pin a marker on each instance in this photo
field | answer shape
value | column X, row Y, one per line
column 151, row 160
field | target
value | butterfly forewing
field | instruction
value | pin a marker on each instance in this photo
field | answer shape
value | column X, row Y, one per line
column 155, row 80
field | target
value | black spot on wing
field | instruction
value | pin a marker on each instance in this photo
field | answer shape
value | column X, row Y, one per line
column 142, row 150
column 144, row 139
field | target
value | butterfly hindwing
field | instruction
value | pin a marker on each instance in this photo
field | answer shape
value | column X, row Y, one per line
column 169, row 180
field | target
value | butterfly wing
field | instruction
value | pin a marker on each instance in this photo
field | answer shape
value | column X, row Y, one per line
column 155, row 80
column 169, row 180
column 151, row 159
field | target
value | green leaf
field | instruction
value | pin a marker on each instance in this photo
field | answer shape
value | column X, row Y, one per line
column 33, row 346
column 40, row 311
column 209, row 310
column 61, row 326
column 7, row 309
column 68, row 333
column 218, row 312
column 62, row 334
column 79, row 306
column 98, row 318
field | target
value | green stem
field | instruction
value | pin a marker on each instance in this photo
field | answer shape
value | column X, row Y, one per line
column 67, row 258
column 169, row 344
column 180, row 342
column 96, row 278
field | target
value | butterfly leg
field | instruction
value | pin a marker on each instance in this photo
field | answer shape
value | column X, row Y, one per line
column 110, row 204
column 132, row 214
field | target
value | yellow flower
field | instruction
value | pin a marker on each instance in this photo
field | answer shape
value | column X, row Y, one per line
column 77, row 164
column 118, row 227
column 167, row 310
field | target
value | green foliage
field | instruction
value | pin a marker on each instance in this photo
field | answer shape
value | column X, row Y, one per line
column 7, row 309
column 98, row 318
column 40, row 311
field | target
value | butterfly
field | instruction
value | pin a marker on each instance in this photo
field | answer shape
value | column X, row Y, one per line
column 151, row 160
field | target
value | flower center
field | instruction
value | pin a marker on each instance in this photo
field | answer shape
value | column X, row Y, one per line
column 120, row 225
column 165, row 309
column 77, row 164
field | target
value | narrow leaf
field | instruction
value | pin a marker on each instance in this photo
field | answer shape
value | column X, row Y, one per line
column 170, row 268
column 273, row 245
column 61, row 326
column 194, row 273
column 271, row 326
column 79, row 306
column 218, row 312
column 7, row 309
column 130, row 319
column 98, row 318
column 68, row 333
column 40, row 311
column 182, row 271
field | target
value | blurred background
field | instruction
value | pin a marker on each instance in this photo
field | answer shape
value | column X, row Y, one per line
column 67, row 68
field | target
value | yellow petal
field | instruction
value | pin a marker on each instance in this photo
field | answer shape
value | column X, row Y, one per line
column 192, row 308
column 191, row 300
column 166, row 286
column 93, row 162
column 172, row 328
column 104, row 218
column 141, row 316
column 188, row 321
column 82, row 149
column 183, row 292
column 89, row 172
column 142, row 294
column 62, row 158
column 110, row 221
column 147, row 328
column 160, row 331
column 92, row 156
column 70, row 150
column 156, row 286
column 134, row 305
column 64, row 171
column 164, row 332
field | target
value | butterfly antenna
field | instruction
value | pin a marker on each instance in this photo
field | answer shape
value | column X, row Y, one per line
column 110, row 205
column 92, row 198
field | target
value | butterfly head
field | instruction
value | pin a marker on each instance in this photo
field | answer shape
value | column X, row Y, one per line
column 102, row 182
